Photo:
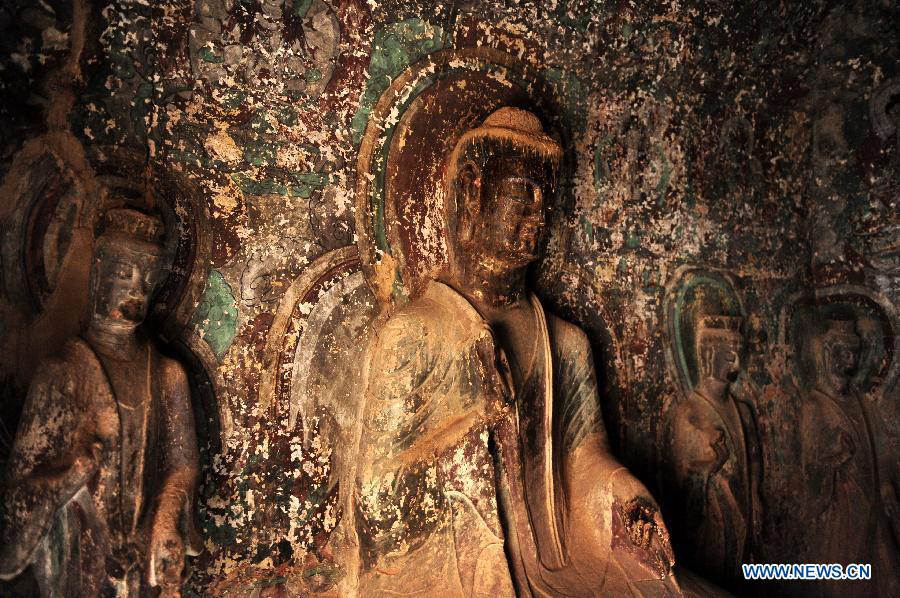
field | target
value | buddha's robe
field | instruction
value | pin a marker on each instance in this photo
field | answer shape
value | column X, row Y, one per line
column 475, row 480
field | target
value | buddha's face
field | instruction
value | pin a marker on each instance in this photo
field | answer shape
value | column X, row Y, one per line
column 122, row 280
column 720, row 355
column 837, row 361
column 510, row 222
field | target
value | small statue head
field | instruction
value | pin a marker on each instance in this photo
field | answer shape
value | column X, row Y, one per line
column 719, row 345
column 499, row 176
column 126, row 267
column 835, row 353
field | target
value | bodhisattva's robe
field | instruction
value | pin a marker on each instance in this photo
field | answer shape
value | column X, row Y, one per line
column 475, row 480
column 713, row 458
column 87, row 467
column 842, row 510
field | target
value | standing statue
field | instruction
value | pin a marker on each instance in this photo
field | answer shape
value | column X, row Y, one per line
column 713, row 458
column 844, row 518
column 484, row 468
column 102, row 474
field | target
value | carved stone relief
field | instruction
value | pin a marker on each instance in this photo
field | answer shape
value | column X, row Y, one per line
column 104, row 465
column 710, row 439
column 846, row 494
column 693, row 133
column 434, row 390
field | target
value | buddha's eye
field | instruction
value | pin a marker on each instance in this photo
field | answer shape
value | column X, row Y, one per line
column 519, row 189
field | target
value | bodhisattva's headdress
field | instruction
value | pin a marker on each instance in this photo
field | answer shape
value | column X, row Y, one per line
column 715, row 328
column 126, row 226
column 723, row 326
column 844, row 329
column 833, row 331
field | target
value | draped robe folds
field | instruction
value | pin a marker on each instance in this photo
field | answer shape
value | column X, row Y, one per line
column 843, row 511
column 87, row 467
column 714, row 481
column 462, row 486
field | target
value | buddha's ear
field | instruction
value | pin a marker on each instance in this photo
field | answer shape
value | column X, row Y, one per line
column 468, row 200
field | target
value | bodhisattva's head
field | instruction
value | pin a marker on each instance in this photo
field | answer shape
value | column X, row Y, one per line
column 835, row 355
column 719, row 347
column 499, row 178
column 126, row 268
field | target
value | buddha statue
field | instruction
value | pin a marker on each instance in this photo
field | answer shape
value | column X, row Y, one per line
column 483, row 466
column 712, row 454
column 102, row 475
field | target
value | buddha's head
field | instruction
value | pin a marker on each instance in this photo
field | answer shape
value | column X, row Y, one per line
column 499, row 178
column 126, row 267
column 835, row 356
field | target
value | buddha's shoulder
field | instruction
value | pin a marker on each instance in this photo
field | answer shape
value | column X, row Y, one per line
column 440, row 312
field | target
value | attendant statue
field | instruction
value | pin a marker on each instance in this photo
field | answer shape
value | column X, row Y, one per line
column 102, row 475
column 712, row 454
column 844, row 518
column 484, row 468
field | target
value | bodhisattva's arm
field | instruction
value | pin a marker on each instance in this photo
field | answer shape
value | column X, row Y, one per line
column 173, row 532
column 55, row 453
column 692, row 455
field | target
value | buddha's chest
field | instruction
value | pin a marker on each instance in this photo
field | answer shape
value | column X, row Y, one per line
column 519, row 341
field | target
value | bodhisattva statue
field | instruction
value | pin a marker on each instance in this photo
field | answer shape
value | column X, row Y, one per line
column 484, row 466
column 844, row 518
column 102, row 474
column 713, row 459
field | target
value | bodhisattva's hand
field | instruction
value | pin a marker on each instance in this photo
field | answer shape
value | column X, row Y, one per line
column 638, row 526
column 166, row 558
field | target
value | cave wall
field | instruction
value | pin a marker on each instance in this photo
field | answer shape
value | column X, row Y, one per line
column 753, row 146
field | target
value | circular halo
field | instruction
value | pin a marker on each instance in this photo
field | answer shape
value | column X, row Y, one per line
column 878, row 368
column 413, row 127
column 694, row 292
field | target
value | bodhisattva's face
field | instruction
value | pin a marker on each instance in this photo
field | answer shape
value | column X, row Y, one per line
column 721, row 357
column 511, row 223
column 840, row 354
column 123, row 280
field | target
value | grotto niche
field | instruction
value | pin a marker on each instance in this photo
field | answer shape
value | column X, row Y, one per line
column 467, row 298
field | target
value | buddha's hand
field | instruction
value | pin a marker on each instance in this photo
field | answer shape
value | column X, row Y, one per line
column 637, row 525
column 166, row 558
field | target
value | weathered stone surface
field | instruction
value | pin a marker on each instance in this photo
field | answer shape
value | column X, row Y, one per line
column 756, row 143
